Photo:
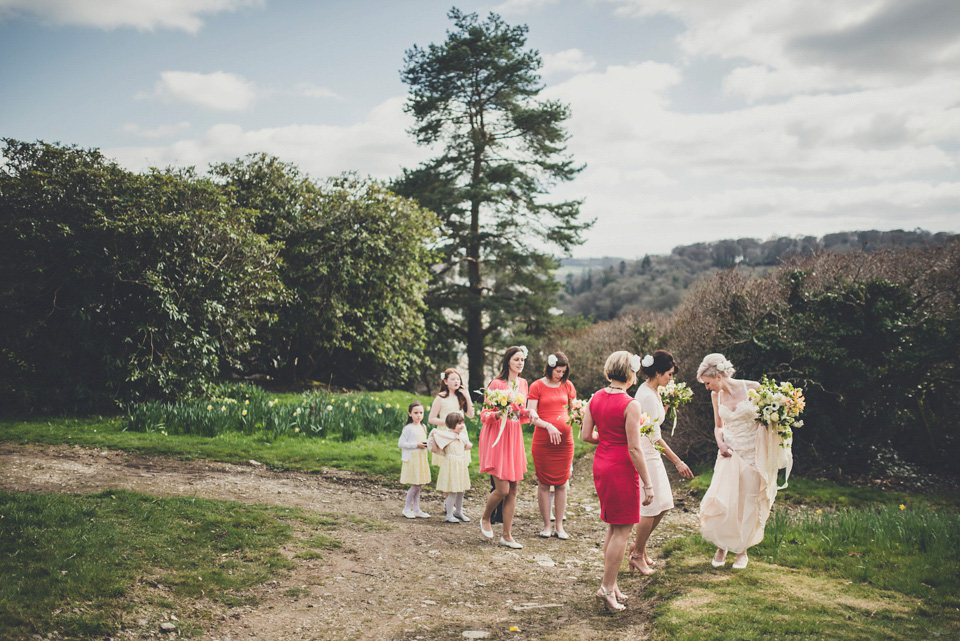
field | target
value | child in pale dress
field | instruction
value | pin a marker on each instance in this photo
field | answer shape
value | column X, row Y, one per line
column 452, row 441
column 450, row 398
column 415, row 468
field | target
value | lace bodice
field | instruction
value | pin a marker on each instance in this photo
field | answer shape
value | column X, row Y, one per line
column 740, row 429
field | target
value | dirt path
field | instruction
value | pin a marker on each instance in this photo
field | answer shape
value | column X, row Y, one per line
column 399, row 579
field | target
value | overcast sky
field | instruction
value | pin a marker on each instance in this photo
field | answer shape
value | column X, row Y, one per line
column 697, row 119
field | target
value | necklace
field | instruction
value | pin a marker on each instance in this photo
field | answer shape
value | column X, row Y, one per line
column 613, row 390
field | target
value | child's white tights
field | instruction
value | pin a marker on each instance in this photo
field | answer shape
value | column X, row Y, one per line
column 413, row 498
column 454, row 505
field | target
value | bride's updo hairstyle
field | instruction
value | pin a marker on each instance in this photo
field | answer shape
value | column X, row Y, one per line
column 715, row 366
column 617, row 368
column 662, row 362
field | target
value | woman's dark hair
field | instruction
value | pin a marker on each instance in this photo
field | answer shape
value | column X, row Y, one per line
column 504, row 374
column 453, row 419
column 443, row 392
column 562, row 361
column 662, row 362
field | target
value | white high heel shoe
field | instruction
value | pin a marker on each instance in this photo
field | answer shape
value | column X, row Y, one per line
column 740, row 563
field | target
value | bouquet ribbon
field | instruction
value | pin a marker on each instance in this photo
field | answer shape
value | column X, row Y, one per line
column 503, row 423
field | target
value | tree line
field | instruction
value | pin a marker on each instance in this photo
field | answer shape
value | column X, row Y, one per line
column 119, row 286
column 660, row 282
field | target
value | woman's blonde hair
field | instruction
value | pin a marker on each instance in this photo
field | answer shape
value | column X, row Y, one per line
column 715, row 365
column 617, row 368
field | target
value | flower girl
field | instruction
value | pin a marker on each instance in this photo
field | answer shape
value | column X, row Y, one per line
column 415, row 469
column 451, row 440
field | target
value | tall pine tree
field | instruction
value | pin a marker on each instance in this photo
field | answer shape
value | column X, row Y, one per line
column 475, row 98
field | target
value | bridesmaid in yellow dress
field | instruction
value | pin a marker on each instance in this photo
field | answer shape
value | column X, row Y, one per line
column 454, row 475
column 415, row 469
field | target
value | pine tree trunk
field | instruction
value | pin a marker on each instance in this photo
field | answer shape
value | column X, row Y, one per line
column 474, row 308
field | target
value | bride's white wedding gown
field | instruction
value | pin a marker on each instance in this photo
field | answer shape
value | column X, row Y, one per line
column 735, row 508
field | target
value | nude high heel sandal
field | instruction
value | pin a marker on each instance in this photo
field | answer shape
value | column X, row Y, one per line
column 609, row 601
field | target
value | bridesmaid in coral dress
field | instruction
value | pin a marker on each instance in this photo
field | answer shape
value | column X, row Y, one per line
column 502, row 453
column 613, row 421
column 552, row 449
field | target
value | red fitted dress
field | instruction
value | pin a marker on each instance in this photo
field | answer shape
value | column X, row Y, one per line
column 614, row 476
column 552, row 462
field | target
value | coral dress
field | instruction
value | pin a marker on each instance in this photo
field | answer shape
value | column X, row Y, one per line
column 552, row 462
column 616, row 479
column 734, row 510
column 662, row 494
column 507, row 460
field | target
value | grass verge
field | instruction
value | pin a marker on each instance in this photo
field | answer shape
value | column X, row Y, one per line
column 84, row 565
column 863, row 572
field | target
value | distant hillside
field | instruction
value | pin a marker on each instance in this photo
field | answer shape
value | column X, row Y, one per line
column 610, row 286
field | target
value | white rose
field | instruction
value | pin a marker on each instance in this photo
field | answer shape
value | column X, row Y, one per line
column 634, row 362
column 552, row 360
column 647, row 361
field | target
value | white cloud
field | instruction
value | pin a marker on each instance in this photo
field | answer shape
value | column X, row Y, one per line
column 567, row 61
column 377, row 146
column 515, row 7
column 218, row 90
column 806, row 164
column 160, row 131
column 145, row 15
column 312, row 90
column 815, row 45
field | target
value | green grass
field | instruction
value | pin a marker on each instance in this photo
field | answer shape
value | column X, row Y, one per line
column 77, row 564
column 373, row 454
column 868, row 570
column 820, row 493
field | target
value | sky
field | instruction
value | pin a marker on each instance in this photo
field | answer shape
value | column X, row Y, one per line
column 697, row 120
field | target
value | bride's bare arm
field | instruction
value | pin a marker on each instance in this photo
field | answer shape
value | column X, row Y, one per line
column 718, row 426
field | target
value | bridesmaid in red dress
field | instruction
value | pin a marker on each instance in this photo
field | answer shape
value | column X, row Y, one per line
column 505, row 460
column 552, row 448
column 613, row 420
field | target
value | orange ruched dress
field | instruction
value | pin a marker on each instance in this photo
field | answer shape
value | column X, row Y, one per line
column 552, row 462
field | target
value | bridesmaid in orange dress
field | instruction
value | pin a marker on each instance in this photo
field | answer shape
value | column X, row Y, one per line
column 552, row 448
column 502, row 454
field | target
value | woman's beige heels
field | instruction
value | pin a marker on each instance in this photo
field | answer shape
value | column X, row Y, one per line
column 608, row 600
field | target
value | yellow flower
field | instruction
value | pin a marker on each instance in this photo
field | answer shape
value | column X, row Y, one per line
column 244, row 412
column 514, row 628
column 353, row 409
column 389, row 406
column 379, row 411
column 296, row 429
column 209, row 407
column 819, row 511
column 329, row 407
column 246, row 402
column 902, row 507
column 223, row 408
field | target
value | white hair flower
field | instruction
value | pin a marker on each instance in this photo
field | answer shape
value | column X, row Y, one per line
column 724, row 366
column 634, row 362
column 523, row 350
column 647, row 361
column 552, row 360
column 443, row 376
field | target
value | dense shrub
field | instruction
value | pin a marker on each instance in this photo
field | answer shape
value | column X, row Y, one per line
column 117, row 285
column 874, row 339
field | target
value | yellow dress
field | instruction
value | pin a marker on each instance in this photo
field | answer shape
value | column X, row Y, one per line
column 454, row 474
column 415, row 469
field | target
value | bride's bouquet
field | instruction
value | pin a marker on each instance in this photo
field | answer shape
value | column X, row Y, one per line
column 509, row 402
column 674, row 395
column 779, row 406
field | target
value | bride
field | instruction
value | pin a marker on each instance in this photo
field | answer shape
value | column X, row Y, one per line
column 735, row 508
